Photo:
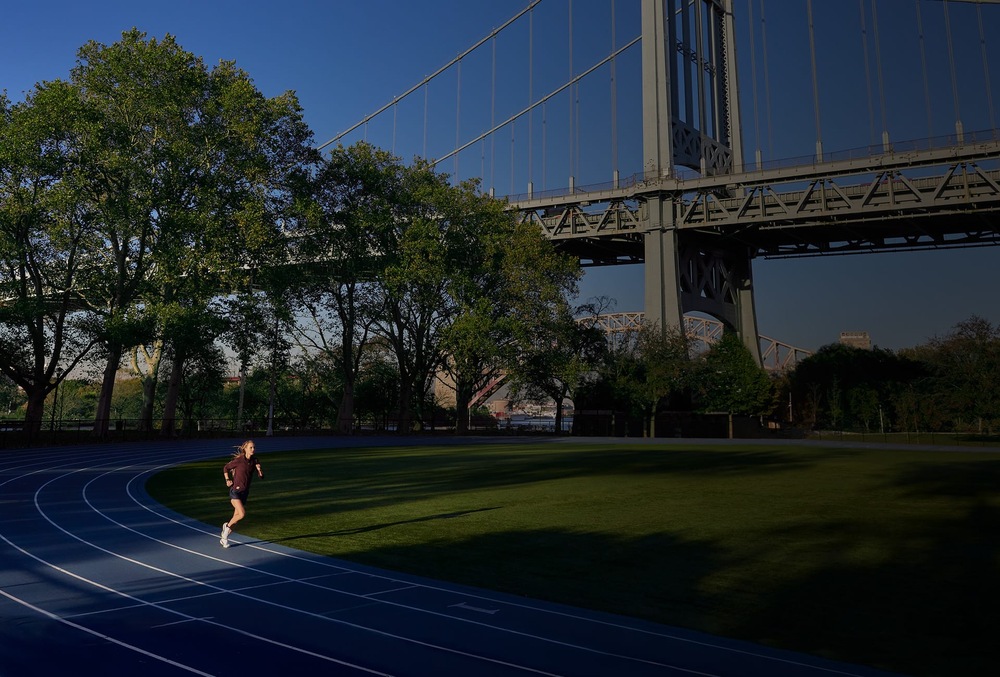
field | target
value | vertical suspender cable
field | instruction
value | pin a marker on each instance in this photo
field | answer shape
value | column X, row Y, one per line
column 544, row 130
column 881, row 87
column 767, row 82
column 614, row 104
column 395, row 113
column 753, row 84
column 493, row 115
column 458, row 114
column 425, row 121
column 923, row 67
column 512, row 123
column 531, row 99
column 812, row 54
column 954, row 78
column 986, row 67
column 576, row 128
column 868, row 74
column 570, row 94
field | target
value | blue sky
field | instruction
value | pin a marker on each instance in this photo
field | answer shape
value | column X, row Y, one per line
column 345, row 59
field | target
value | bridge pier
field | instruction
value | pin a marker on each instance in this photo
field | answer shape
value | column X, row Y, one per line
column 684, row 273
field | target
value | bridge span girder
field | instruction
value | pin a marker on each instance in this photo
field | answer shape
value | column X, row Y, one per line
column 698, row 236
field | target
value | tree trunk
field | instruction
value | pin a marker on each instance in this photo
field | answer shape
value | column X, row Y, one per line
column 103, row 416
column 239, row 407
column 463, row 395
column 167, row 426
column 345, row 414
column 559, row 415
column 148, row 380
column 148, row 400
column 405, row 416
column 35, row 411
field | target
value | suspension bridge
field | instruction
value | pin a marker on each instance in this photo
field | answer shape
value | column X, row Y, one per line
column 685, row 136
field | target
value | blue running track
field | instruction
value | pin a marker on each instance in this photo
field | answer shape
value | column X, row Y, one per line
column 96, row 578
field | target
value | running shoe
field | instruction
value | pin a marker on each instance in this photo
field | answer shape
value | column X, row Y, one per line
column 225, row 535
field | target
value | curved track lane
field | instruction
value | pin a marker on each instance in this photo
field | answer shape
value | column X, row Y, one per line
column 97, row 578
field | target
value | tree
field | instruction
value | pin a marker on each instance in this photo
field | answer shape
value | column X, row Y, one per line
column 187, row 172
column 558, row 356
column 730, row 380
column 201, row 381
column 666, row 365
column 377, row 390
column 46, row 243
column 510, row 285
column 965, row 373
column 192, row 329
column 354, row 203
column 841, row 384
column 413, row 303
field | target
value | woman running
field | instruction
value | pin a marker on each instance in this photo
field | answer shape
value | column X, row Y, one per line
column 241, row 468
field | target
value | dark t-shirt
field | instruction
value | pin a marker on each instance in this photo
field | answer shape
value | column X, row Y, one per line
column 242, row 469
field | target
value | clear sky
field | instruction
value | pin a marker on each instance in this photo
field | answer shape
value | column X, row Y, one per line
column 345, row 59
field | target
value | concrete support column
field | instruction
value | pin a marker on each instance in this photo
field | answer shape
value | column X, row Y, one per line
column 747, row 313
column 662, row 278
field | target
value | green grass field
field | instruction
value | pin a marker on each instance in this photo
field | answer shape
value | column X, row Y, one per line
column 881, row 557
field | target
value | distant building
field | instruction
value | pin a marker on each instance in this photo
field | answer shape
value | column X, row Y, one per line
column 856, row 339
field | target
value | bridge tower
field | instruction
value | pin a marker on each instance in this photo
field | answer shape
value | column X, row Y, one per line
column 691, row 119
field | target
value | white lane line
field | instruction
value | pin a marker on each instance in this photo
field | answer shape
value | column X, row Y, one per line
column 201, row 453
column 543, row 610
column 181, row 622
column 453, row 617
column 154, row 605
column 107, row 638
column 463, row 605
column 382, row 592
column 164, row 572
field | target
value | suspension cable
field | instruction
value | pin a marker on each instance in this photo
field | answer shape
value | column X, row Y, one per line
column 458, row 110
column 570, row 101
column 542, row 100
column 432, row 75
column 923, row 66
column 753, row 84
column 878, row 72
column 531, row 73
column 493, row 116
column 986, row 67
column 815, row 80
column 767, row 81
column 954, row 76
column 614, row 103
column 512, row 125
column 544, row 134
column 868, row 75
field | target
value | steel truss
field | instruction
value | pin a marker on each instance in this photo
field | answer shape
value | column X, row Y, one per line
column 939, row 198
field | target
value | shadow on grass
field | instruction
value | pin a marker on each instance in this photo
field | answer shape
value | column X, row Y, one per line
column 364, row 480
column 914, row 589
column 921, row 599
column 928, row 607
column 376, row 527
